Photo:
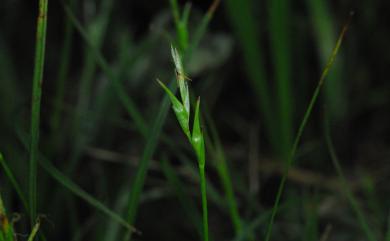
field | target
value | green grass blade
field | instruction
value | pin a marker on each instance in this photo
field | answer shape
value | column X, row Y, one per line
column 186, row 14
column 61, row 78
column 224, row 175
column 126, row 101
column 150, row 146
column 323, row 26
column 78, row 191
column 13, row 181
column 62, row 179
column 175, row 11
column 279, row 17
column 36, row 105
column 97, row 27
column 346, row 188
column 201, row 29
column 245, row 25
column 249, row 228
column 180, row 24
column 302, row 127
column 310, row 213
column 186, row 202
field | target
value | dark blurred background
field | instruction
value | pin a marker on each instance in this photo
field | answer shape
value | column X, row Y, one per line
column 88, row 135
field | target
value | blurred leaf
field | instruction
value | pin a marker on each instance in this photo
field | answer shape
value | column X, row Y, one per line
column 13, row 181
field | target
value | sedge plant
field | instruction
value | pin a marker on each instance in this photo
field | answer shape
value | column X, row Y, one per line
column 182, row 110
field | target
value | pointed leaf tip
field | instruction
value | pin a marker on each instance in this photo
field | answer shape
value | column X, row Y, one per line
column 180, row 111
column 197, row 136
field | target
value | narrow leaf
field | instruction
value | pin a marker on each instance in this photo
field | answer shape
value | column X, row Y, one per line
column 178, row 108
column 78, row 191
column 197, row 137
column 13, row 181
column 61, row 178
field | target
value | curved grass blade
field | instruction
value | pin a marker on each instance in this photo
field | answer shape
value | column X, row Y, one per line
column 127, row 102
column 78, row 191
column 302, row 127
column 36, row 105
column 244, row 24
column 147, row 154
column 187, row 203
column 75, row 189
column 13, row 181
column 201, row 29
column 224, row 175
column 279, row 17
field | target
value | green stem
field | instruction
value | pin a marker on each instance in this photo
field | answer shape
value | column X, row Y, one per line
column 203, row 190
column 36, row 104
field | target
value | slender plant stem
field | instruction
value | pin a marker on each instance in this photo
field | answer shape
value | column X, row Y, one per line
column 36, row 105
column 302, row 127
column 203, row 190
